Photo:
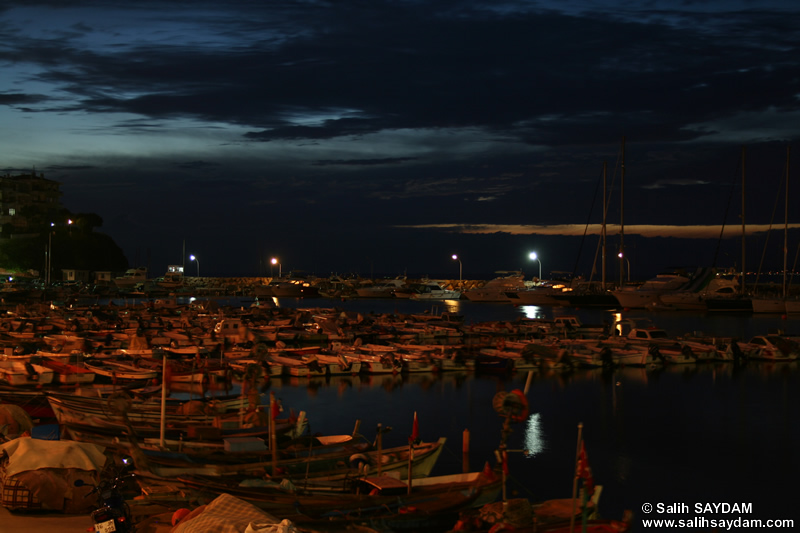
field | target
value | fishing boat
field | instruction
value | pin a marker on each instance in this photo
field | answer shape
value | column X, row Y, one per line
column 98, row 418
column 67, row 373
column 322, row 466
column 115, row 372
column 377, row 501
column 18, row 373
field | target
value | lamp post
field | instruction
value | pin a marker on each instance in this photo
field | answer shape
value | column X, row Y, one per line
column 275, row 261
column 535, row 257
column 196, row 260
column 622, row 256
column 460, row 268
column 49, row 254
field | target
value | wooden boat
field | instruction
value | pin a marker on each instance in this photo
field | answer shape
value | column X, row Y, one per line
column 380, row 363
column 327, row 467
column 18, row 373
column 775, row 348
column 383, row 502
column 99, row 418
column 118, row 372
column 69, row 373
column 305, row 367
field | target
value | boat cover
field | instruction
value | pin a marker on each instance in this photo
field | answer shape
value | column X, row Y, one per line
column 41, row 474
column 229, row 514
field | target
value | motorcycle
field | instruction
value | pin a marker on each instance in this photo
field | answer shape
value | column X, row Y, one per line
column 113, row 514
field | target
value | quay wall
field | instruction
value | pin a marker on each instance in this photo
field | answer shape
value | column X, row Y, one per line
column 244, row 283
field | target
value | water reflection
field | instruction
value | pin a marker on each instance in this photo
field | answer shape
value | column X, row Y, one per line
column 534, row 439
column 532, row 311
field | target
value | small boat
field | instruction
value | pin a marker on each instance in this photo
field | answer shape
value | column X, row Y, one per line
column 116, row 372
column 19, row 373
column 433, row 290
column 383, row 502
column 382, row 289
column 67, row 373
column 497, row 289
column 131, row 278
column 775, row 348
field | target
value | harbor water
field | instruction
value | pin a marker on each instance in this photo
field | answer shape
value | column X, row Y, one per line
column 710, row 433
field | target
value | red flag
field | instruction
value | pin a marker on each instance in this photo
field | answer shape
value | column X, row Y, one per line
column 584, row 471
column 415, row 430
column 274, row 407
column 488, row 472
column 505, row 462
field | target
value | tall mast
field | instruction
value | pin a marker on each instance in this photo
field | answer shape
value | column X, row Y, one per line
column 786, row 224
column 605, row 213
column 744, row 270
column 621, row 215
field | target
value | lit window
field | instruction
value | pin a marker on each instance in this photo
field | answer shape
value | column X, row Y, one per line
column 12, row 211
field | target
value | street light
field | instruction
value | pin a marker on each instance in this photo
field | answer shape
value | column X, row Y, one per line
column 274, row 261
column 48, row 274
column 460, row 268
column 621, row 256
column 535, row 257
column 195, row 259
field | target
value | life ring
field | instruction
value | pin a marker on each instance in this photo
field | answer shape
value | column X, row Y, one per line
column 513, row 404
column 357, row 460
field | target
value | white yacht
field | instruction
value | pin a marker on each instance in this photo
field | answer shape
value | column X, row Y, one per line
column 433, row 290
column 131, row 278
column 495, row 290
column 648, row 293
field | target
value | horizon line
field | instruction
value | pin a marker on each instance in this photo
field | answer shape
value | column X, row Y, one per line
column 644, row 230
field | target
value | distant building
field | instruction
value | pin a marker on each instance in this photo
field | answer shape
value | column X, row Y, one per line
column 70, row 274
column 103, row 277
column 27, row 202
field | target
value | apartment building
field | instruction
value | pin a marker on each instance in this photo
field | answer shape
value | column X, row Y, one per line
column 27, row 203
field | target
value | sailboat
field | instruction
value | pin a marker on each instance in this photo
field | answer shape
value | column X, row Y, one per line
column 741, row 303
column 770, row 303
column 589, row 293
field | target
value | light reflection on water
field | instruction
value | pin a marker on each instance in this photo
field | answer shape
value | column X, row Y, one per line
column 534, row 439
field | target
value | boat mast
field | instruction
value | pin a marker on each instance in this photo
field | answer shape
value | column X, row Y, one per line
column 605, row 214
column 621, row 219
column 786, row 224
column 743, row 233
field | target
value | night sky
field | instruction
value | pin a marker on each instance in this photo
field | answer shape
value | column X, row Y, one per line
column 381, row 137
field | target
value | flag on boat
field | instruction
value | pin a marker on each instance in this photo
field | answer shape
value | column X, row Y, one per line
column 414, row 439
column 275, row 406
column 585, row 472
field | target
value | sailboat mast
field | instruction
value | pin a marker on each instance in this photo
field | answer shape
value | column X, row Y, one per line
column 786, row 224
column 621, row 216
column 605, row 214
column 743, row 223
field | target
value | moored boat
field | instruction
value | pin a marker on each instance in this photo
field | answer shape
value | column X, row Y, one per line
column 18, row 373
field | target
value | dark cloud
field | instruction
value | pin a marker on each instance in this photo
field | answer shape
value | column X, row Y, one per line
column 259, row 124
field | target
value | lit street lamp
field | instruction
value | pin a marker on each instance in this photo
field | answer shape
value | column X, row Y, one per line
column 460, row 268
column 49, row 255
column 535, row 257
column 195, row 259
column 621, row 256
column 274, row 261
